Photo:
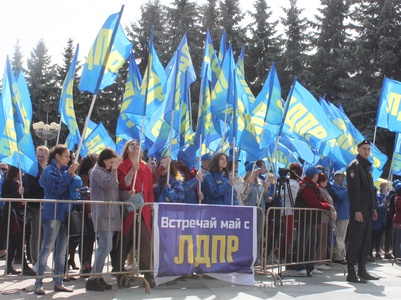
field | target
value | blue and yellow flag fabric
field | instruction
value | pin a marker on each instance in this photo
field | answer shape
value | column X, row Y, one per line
column 106, row 56
column 241, row 62
column 306, row 119
column 396, row 167
column 343, row 148
column 211, row 63
column 246, row 134
column 377, row 158
column 222, row 48
column 69, row 142
column 126, row 128
column 298, row 147
column 268, row 104
column 389, row 110
column 16, row 144
column 97, row 140
column 66, row 105
column 223, row 91
column 150, row 100
column 180, row 75
column 250, row 98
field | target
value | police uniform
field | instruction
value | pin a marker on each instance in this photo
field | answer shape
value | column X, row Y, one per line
column 362, row 195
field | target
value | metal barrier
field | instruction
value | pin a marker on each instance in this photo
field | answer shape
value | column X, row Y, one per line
column 296, row 238
column 284, row 240
column 9, row 219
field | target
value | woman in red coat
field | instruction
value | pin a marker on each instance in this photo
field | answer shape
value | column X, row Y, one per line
column 133, row 163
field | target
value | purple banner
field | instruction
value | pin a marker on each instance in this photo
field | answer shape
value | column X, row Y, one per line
column 204, row 239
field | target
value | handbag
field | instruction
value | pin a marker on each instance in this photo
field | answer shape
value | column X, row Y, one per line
column 137, row 200
column 21, row 214
column 75, row 224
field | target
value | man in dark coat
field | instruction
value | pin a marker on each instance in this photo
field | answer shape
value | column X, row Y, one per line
column 362, row 195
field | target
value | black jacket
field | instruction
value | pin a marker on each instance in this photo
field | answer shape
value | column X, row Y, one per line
column 361, row 190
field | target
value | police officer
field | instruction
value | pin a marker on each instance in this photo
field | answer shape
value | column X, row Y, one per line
column 362, row 195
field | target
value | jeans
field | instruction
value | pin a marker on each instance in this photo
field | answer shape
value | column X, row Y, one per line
column 54, row 235
column 105, row 245
column 397, row 242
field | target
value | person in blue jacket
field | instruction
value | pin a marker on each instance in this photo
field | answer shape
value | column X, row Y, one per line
column 55, row 180
column 379, row 225
column 172, row 192
column 341, row 204
column 191, row 178
column 217, row 185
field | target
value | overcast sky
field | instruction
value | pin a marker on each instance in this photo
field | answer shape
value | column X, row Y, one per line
column 55, row 21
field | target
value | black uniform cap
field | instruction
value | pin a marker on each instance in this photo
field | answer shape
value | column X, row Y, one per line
column 364, row 142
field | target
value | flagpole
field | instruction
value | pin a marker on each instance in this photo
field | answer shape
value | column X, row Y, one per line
column 140, row 151
column 169, row 146
column 374, row 135
column 224, row 128
column 85, row 128
column 99, row 81
column 200, row 165
column 233, row 173
column 58, row 133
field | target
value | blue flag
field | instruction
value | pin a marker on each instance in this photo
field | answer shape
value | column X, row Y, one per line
column 66, row 105
column 377, row 158
column 343, row 148
column 389, row 110
column 106, row 56
column 268, row 104
column 126, row 128
column 16, row 143
column 98, row 140
column 150, row 101
column 396, row 167
column 211, row 63
column 180, row 75
column 306, row 119
column 223, row 47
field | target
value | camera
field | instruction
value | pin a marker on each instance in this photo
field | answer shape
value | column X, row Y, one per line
column 283, row 172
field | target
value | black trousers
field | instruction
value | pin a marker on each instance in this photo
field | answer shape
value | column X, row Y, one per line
column 359, row 239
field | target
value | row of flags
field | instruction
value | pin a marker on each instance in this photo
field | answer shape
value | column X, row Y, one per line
column 156, row 110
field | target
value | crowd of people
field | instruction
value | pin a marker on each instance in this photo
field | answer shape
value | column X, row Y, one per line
column 362, row 218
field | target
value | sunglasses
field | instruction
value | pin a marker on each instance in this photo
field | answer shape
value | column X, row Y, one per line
column 4, row 169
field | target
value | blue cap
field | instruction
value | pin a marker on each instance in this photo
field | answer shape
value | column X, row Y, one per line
column 395, row 182
column 206, row 156
column 311, row 171
column 249, row 167
column 230, row 159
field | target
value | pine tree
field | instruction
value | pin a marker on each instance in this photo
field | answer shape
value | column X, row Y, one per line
column 294, row 60
column 210, row 20
column 264, row 45
column 378, row 30
column 42, row 84
column 230, row 22
column 330, row 64
column 17, row 59
column 183, row 18
column 153, row 14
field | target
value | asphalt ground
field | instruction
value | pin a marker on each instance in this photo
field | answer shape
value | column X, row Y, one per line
column 329, row 285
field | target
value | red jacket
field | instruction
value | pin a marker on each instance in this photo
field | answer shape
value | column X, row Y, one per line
column 310, row 197
column 143, row 179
